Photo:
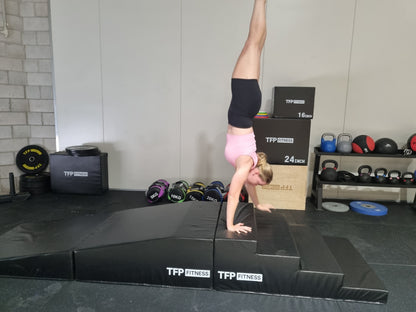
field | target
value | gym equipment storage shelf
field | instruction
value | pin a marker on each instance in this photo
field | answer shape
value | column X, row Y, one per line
column 317, row 183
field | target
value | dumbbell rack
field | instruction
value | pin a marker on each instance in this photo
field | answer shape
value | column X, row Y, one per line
column 317, row 183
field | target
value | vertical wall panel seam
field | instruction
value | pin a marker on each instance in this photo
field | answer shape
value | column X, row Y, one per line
column 181, row 84
column 347, row 91
column 101, row 70
column 55, row 115
column 349, row 66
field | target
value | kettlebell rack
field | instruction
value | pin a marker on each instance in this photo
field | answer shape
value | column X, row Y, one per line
column 317, row 183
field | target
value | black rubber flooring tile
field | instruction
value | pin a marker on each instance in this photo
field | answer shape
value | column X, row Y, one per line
column 27, row 294
column 376, row 243
column 23, row 295
column 401, row 284
column 407, row 235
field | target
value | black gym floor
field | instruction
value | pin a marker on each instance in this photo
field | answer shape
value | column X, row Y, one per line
column 387, row 243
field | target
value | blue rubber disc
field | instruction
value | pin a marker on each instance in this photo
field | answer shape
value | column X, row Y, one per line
column 368, row 208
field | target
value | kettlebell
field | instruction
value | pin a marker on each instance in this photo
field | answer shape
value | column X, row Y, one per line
column 380, row 175
column 329, row 173
column 408, row 178
column 364, row 177
column 394, row 176
column 344, row 144
column 328, row 142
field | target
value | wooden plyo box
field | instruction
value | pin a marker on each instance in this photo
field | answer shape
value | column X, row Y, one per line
column 288, row 188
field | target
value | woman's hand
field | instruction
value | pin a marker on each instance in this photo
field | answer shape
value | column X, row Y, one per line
column 264, row 207
column 239, row 228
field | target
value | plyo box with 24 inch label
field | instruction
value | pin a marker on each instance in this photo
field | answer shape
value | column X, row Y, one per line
column 285, row 141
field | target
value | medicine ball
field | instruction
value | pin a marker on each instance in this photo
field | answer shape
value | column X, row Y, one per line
column 385, row 146
column 411, row 142
column 363, row 144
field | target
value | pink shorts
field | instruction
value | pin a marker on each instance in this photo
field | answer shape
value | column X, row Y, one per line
column 238, row 145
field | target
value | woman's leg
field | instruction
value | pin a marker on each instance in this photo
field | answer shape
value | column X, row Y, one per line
column 248, row 63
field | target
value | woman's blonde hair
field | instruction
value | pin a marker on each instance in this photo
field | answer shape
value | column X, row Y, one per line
column 265, row 169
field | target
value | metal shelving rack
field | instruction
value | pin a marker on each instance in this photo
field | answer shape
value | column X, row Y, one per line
column 317, row 183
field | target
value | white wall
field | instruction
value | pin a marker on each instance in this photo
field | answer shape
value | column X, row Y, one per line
column 77, row 70
column 141, row 54
column 149, row 81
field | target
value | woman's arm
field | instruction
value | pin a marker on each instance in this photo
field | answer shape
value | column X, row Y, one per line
column 251, row 190
column 243, row 165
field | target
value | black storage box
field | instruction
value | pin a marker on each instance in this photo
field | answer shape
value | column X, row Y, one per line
column 79, row 174
column 293, row 102
column 285, row 141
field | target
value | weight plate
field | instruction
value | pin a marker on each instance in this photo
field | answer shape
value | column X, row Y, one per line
column 335, row 207
column 83, row 150
column 368, row 208
column 32, row 159
column 35, row 183
column 34, row 180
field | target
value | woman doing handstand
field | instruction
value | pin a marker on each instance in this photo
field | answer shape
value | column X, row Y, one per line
column 251, row 168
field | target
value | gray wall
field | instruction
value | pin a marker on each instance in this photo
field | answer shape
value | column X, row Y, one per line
column 26, row 97
column 148, row 81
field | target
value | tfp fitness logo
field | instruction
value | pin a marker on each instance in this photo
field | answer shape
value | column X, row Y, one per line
column 83, row 174
column 280, row 140
column 296, row 102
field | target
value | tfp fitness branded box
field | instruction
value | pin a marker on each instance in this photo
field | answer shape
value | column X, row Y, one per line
column 288, row 188
column 293, row 102
column 285, row 141
column 79, row 174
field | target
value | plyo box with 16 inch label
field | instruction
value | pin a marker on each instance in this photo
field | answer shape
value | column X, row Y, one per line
column 293, row 102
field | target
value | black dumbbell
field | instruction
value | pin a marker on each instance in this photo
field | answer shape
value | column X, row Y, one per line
column 156, row 191
column 177, row 191
column 195, row 192
column 214, row 192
